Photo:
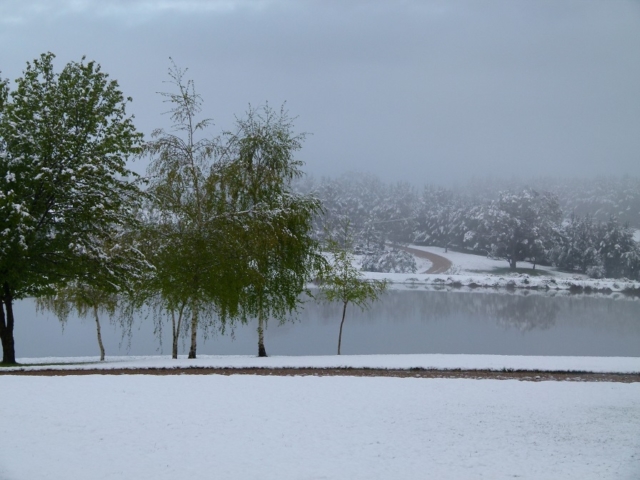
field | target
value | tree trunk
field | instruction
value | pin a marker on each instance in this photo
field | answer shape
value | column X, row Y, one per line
column 6, row 328
column 344, row 311
column 95, row 314
column 174, row 336
column 512, row 258
column 175, row 330
column 194, row 333
column 174, row 348
column 262, row 352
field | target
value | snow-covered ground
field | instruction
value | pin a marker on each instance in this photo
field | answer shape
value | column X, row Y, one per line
column 475, row 271
column 281, row 428
column 426, row 361
column 422, row 264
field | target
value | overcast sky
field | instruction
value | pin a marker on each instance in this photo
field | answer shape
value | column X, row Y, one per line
column 428, row 92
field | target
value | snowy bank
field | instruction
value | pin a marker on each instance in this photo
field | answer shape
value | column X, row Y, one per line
column 423, row 361
column 474, row 271
column 516, row 281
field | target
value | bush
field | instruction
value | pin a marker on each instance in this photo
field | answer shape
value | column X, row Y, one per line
column 596, row 271
column 391, row 261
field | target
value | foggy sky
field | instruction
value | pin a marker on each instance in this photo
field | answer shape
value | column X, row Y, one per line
column 427, row 92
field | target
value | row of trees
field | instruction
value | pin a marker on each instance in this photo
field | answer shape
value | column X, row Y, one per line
column 214, row 232
column 515, row 225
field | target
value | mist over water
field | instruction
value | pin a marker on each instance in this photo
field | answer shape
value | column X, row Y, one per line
column 401, row 322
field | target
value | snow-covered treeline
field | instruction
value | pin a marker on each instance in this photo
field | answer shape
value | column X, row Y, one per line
column 599, row 197
column 577, row 225
column 377, row 212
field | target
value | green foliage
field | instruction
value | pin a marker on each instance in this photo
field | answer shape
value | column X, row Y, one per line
column 80, row 298
column 227, row 236
column 66, row 196
column 85, row 300
column 65, row 186
column 190, row 233
column 279, row 252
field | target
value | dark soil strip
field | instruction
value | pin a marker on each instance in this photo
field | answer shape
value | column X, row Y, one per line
column 529, row 376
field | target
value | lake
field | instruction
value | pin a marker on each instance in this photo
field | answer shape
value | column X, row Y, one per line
column 413, row 321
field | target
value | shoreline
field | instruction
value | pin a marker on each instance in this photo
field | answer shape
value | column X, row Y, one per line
column 510, row 284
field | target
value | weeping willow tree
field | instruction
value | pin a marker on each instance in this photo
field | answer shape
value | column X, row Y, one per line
column 196, row 278
column 228, row 237
column 282, row 259
column 191, row 228
column 279, row 253
column 87, row 301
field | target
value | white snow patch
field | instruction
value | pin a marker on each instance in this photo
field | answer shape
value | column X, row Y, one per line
column 423, row 264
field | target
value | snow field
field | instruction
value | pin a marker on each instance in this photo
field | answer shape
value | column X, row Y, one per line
column 250, row 427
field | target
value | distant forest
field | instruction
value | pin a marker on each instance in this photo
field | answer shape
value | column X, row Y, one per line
column 581, row 225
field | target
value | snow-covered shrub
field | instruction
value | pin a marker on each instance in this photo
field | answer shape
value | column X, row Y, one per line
column 596, row 271
column 391, row 261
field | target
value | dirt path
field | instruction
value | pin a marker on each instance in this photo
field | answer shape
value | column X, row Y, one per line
column 439, row 264
column 528, row 376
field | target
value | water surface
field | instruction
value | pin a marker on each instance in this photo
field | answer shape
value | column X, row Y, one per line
column 478, row 322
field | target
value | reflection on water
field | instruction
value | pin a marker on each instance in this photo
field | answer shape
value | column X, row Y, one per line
column 511, row 311
column 402, row 322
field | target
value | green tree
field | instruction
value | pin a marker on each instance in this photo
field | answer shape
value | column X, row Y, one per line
column 279, row 251
column 342, row 282
column 64, row 185
column 191, row 229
